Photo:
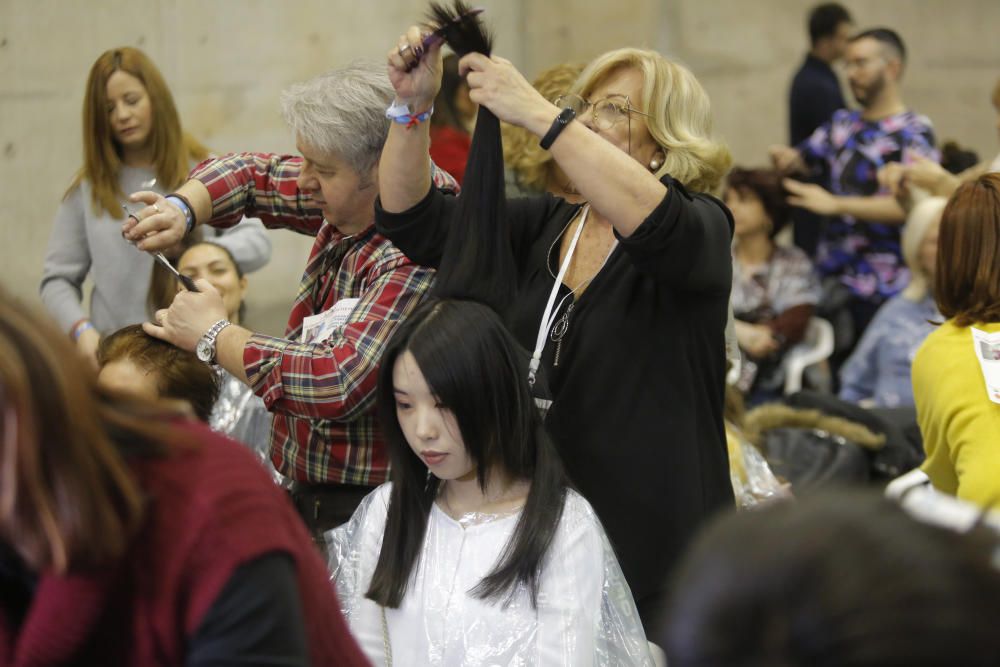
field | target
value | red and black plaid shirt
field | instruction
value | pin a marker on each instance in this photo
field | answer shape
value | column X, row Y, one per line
column 321, row 394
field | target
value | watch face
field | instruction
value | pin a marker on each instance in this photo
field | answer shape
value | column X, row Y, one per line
column 204, row 350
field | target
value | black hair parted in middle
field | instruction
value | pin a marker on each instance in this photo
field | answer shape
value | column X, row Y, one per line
column 476, row 370
column 478, row 259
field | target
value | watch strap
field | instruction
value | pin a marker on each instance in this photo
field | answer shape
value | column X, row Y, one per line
column 564, row 118
column 211, row 335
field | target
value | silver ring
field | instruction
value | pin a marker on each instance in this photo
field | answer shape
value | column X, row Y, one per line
column 157, row 207
column 403, row 49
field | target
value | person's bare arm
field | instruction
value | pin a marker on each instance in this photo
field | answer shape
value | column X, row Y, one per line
column 815, row 198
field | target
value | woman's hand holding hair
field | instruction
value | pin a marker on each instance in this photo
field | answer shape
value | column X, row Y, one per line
column 496, row 84
column 415, row 72
column 156, row 227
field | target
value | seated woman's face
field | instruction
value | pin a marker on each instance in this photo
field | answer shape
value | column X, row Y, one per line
column 430, row 429
column 749, row 216
column 928, row 248
column 123, row 376
column 210, row 262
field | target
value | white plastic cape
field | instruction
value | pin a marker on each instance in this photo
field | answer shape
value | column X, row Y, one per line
column 585, row 615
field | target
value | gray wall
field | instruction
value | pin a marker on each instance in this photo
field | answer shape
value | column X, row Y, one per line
column 227, row 60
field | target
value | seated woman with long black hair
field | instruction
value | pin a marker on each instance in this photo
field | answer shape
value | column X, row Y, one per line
column 477, row 551
column 622, row 298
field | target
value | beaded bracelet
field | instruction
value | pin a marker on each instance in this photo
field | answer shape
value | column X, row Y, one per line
column 79, row 327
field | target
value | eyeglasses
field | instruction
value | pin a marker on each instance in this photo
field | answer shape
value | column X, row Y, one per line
column 606, row 113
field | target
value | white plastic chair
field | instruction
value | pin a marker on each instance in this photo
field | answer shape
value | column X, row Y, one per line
column 816, row 346
column 658, row 656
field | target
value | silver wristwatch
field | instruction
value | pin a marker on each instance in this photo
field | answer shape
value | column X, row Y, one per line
column 205, row 349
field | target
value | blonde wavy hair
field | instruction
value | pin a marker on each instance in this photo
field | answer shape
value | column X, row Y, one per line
column 530, row 162
column 680, row 115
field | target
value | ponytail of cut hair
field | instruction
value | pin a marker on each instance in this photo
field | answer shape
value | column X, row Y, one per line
column 478, row 260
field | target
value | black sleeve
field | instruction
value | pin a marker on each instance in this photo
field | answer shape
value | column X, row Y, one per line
column 420, row 231
column 256, row 620
column 685, row 242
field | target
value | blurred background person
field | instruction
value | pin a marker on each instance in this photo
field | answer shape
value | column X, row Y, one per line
column 775, row 289
column 877, row 374
column 859, row 249
column 132, row 536
column 132, row 140
column 819, row 583
column 530, row 169
column 813, row 97
column 959, row 418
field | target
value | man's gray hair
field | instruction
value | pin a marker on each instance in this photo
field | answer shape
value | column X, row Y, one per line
column 342, row 113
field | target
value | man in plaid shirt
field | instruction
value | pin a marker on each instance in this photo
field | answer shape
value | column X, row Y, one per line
column 320, row 387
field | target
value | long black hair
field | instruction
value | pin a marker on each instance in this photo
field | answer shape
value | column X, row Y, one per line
column 475, row 368
column 478, row 259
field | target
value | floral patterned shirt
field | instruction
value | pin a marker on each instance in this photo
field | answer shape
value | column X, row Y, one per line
column 865, row 255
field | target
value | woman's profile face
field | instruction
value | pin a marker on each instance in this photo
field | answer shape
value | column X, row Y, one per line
column 430, row 429
column 210, row 262
column 749, row 216
column 629, row 133
column 927, row 253
column 130, row 111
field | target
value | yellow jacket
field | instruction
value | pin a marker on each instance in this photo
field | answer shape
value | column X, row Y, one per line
column 959, row 423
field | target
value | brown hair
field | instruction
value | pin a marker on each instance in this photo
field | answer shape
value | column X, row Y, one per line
column 765, row 184
column 67, row 497
column 967, row 276
column 179, row 373
column 172, row 148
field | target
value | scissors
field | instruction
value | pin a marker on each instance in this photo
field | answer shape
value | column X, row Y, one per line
column 186, row 281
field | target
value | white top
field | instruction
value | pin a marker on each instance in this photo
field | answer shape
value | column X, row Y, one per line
column 585, row 615
column 88, row 241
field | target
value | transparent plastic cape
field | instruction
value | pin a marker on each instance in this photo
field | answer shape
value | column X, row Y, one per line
column 585, row 615
column 242, row 415
column 753, row 481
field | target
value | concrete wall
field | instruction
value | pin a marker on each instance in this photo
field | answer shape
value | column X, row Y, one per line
column 227, row 60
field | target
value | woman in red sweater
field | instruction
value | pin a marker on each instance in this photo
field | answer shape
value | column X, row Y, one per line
column 131, row 536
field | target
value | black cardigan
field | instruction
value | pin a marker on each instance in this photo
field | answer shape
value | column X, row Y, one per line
column 638, row 392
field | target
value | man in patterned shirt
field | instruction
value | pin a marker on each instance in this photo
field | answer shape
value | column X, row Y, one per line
column 860, row 244
column 319, row 380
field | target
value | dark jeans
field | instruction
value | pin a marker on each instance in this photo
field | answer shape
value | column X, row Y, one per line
column 326, row 506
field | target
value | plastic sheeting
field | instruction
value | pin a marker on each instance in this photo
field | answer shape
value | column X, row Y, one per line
column 242, row 415
column 585, row 615
column 753, row 481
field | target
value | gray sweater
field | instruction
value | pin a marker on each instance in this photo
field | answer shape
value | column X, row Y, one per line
column 84, row 241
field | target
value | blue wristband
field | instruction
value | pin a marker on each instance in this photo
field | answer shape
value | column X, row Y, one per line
column 182, row 204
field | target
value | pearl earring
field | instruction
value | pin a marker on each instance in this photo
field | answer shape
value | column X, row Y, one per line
column 654, row 164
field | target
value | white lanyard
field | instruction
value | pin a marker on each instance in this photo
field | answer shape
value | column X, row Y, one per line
column 548, row 317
